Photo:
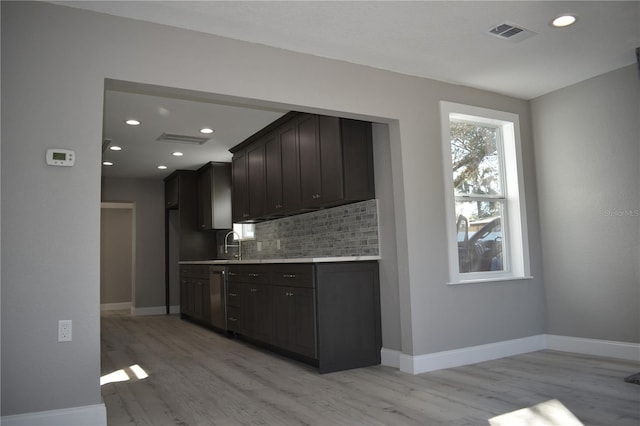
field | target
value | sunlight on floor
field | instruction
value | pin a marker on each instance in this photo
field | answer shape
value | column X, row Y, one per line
column 548, row 413
column 122, row 376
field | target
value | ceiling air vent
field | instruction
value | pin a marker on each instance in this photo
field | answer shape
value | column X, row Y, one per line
column 511, row 32
column 172, row 137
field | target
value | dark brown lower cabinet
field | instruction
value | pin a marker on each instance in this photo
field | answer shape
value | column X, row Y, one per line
column 349, row 324
column 325, row 314
column 195, row 301
column 294, row 325
column 256, row 312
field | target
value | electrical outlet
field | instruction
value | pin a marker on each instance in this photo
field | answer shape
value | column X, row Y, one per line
column 259, row 245
column 278, row 244
column 64, row 331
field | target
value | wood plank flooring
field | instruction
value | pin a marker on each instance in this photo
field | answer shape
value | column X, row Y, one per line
column 199, row 377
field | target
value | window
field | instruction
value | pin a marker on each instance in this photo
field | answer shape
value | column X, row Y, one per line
column 244, row 231
column 486, row 224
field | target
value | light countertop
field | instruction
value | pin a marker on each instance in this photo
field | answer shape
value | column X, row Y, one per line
column 293, row 260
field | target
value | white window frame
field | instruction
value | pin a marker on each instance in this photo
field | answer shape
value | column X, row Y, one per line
column 515, row 223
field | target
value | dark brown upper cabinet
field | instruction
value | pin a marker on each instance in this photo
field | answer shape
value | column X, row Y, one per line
column 240, row 187
column 214, row 196
column 282, row 171
column 256, row 178
column 302, row 162
column 180, row 196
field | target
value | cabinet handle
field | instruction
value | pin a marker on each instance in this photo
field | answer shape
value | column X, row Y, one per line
column 233, row 294
column 288, row 275
column 232, row 273
column 253, row 290
column 254, row 275
column 232, row 319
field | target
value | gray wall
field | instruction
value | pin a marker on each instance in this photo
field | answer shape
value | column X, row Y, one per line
column 588, row 167
column 148, row 196
column 54, row 62
column 388, row 269
column 116, row 254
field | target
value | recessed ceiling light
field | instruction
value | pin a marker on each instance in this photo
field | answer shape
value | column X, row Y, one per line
column 107, row 163
column 206, row 130
column 161, row 167
column 133, row 122
column 177, row 154
column 115, row 148
column 563, row 21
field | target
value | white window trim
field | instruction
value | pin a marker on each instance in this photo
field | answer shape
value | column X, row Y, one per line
column 518, row 244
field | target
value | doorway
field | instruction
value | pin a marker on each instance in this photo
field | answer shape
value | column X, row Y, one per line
column 117, row 254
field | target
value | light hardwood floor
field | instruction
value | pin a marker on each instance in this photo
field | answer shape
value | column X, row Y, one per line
column 199, row 377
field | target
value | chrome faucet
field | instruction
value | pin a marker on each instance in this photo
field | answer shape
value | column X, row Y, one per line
column 227, row 245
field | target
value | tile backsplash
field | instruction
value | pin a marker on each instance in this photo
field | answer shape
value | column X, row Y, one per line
column 350, row 230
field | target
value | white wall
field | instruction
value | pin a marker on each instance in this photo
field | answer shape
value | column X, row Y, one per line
column 588, row 167
column 54, row 62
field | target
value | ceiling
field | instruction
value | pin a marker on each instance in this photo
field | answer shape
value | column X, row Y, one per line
column 142, row 148
column 447, row 41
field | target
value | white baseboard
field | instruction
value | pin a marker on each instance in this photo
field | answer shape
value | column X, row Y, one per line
column 609, row 348
column 155, row 310
column 115, row 306
column 94, row 415
column 390, row 357
column 474, row 354
column 471, row 355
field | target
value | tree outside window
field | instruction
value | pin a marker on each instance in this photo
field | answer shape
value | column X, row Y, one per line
column 478, row 185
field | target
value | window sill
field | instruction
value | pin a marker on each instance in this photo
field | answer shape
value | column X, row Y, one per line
column 489, row 280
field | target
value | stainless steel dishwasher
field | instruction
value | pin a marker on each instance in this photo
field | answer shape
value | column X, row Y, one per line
column 218, row 289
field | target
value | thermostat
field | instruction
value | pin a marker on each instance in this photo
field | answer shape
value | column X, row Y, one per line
column 61, row 157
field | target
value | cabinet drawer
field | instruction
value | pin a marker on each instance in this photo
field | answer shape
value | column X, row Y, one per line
column 197, row 271
column 233, row 295
column 248, row 274
column 293, row 275
column 233, row 319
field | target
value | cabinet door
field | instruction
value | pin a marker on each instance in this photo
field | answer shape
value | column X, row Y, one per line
column 310, row 188
column 302, row 326
column 240, row 187
column 357, row 153
column 191, row 298
column 273, row 166
column 281, row 316
column 204, row 192
column 294, row 320
column 184, row 295
column 204, row 302
column 290, row 165
column 256, row 177
column 171, row 192
column 331, row 160
column 256, row 312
